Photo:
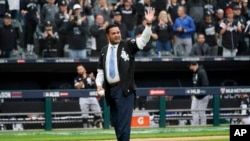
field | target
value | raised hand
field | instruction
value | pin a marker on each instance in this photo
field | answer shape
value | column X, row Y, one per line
column 149, row 15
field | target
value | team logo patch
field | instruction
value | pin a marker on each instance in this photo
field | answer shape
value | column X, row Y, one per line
column 124, row 55
column 132, row 40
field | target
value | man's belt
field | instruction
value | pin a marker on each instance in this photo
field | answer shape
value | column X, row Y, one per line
column 115, row 84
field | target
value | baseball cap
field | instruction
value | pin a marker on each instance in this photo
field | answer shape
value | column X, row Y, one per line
column 236, row 7
column 7, row 15
column 62, row 3
column 48, row 23
column 76, row 6
column 207, row 13
column 228, row 10
column 117, row 13
column 192, row 63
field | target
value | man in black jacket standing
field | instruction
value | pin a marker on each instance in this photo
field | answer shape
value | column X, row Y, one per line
column 199, row 102
column 77, row 33
column 8, row 38
column 62, row 23
column 115, row 74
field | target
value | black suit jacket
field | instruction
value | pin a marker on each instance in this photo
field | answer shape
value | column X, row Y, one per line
column 126, row 66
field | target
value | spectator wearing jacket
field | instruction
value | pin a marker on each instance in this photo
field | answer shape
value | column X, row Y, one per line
column 62, row 23
column 229, row 30
column 242, row 45
column 208, row 28
column 118, row 21
column 128, row 12
column 77, row 34
column 196, row 9
column 98, row 35
column 164, row 31
column 48, row 12
column 29, row 9
column 8, row 38
column 49, row 41
column 200, row 48
column 4, row 7
column 184, row 28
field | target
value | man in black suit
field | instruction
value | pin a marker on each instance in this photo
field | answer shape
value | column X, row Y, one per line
column 115, row 74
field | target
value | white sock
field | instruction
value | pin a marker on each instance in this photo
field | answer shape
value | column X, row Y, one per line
column 31, row 48
column 159, row 54
column 28, row 47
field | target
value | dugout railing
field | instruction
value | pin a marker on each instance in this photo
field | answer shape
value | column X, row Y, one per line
column 48, row 95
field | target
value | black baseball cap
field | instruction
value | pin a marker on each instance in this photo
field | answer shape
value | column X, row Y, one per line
column 62, row 3
column 48, row 23
column 7, row 15
column 117, row 13
column 192, row 63
column 236, row 7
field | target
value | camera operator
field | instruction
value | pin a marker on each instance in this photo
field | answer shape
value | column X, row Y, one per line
column 49, row 41
column 77, row 16
column 77, row 33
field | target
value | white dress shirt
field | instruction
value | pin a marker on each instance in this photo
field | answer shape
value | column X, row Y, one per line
column 140, row 42
column 117, row 77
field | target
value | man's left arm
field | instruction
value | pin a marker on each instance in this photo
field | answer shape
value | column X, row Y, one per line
column 204, row 78
column 144, row 38
column 191, row 28
column 147, row 32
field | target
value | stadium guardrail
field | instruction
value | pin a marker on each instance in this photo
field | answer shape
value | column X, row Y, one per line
column 48, row 95
column 138, row 59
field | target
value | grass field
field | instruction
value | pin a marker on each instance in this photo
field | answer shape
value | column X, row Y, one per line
column 108, row 134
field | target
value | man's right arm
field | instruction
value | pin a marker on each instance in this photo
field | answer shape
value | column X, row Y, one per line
column 100, row 70
column 99, row 77
column 99, row 82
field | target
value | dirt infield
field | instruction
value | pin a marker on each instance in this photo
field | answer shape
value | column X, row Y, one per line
column 182, row 138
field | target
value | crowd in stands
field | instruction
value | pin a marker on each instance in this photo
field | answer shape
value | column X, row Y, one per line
column 76, row 28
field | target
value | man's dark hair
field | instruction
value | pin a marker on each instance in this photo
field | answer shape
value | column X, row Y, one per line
column 79, row 65
column 110, row 26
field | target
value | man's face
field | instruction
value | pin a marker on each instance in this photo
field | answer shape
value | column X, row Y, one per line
column 51, row 1
column 7, row 21
column 63, row 8
column 192, row 68
column 208, row 19
column 81, row 70
column 180, row 11
column 114, row 35
column 201, row 39
column 237, row 12
column 173, row 1
column 117, row 18
column 77, row 11
column 102, row 2
column 230, row 15
column 99, row 19
column 127, row 3
column 220, row 15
